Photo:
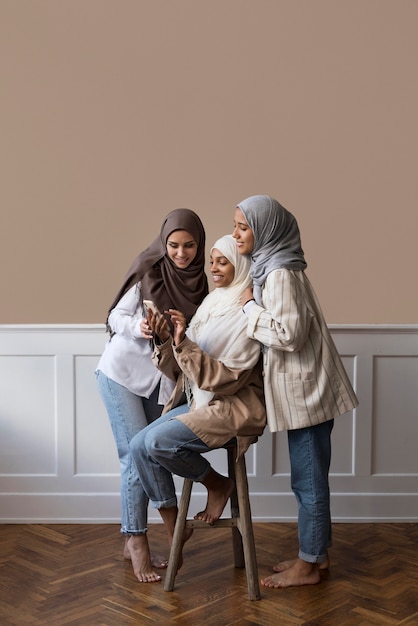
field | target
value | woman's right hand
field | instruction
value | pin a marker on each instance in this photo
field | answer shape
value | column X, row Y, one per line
column 178, row 320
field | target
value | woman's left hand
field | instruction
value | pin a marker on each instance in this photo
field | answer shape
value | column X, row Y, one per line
column 158, row 325
column 145, row 329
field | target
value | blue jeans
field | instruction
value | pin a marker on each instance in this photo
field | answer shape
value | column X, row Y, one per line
column 128, row 414
column 166, row 447
column 310, row 458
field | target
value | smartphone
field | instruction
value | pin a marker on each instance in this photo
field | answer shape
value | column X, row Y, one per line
column 149, row 304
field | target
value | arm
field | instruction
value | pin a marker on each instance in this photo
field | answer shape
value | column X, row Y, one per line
column 163, row 358
column 285, row 324
column 206, row 372
column 126, row 317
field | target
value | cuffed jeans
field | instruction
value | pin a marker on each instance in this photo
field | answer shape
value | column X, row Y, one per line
column 166, row 447
column 310, row 457
column 128, row 414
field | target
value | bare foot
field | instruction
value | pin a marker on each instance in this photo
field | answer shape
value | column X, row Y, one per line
column 169, row 517
column 188, row 532
column 137, row 550
column 219, row 489
column 284, row 565
column 299, row 574
column 157, row 561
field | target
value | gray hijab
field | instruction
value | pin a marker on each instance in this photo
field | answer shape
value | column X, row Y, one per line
column 276, row 239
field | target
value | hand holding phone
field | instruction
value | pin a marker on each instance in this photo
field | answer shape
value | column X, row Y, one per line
column 150, row 305
column 156, row 322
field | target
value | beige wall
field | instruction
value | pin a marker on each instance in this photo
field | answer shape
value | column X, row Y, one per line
column 113, row 112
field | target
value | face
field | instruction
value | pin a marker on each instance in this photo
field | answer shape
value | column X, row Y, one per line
column 181, row 248
column 242, row 233
column 222, row 270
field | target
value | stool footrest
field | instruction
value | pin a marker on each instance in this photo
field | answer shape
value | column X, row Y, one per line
column 223, row 522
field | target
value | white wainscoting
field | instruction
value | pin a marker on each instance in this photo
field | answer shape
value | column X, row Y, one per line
column 58, row 461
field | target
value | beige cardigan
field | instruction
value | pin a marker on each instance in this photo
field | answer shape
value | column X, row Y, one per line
column 237, row 408
column 305, row 380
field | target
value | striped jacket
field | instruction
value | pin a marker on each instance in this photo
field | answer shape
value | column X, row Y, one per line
column 305, row 382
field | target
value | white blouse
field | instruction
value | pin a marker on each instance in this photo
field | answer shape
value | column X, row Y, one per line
column 127, row 355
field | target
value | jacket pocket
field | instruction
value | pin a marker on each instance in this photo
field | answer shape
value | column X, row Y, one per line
column 299, row 392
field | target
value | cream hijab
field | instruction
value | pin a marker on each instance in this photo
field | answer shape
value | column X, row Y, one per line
column 219, row 325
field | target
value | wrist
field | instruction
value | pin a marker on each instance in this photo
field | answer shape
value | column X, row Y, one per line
column 159, row 339
column 248, row 307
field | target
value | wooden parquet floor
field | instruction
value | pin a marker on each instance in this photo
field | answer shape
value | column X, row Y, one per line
column 75, row 575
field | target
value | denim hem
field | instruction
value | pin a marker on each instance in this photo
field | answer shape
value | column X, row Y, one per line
column 310, row 558
column 164, row 504
column 129, row 533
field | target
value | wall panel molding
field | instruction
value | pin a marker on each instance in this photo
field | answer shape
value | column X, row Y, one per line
column 58, row 460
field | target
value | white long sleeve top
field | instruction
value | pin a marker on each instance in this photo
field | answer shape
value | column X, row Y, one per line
column 127, row 357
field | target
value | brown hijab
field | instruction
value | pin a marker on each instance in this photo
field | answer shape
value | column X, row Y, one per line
column 162, row 282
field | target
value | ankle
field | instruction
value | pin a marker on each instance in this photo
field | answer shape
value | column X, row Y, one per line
column 137, row 541
column 214, row 481
column 306, row 566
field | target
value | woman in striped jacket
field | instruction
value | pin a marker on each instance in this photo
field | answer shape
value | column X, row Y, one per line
column 305, row 382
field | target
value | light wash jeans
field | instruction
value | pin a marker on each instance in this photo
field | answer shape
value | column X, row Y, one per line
column 310, row 458
column 128, row 414
column 166, row 447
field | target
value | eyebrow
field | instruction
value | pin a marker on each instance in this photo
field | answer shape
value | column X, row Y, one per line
column 219, row 257
column 177, row 243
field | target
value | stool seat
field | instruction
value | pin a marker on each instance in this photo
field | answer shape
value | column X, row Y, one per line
column 240, row 523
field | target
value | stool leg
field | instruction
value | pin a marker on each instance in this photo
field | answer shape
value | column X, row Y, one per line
column 237, row 546
column 246, row 528
column 177, row 544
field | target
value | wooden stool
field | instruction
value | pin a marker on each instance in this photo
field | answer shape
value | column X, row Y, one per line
column 240, row 522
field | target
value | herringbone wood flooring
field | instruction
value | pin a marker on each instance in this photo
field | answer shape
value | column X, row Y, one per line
column 75, row 575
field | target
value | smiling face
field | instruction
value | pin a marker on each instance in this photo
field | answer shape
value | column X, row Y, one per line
column 181, row 248
column 222, row 270
column 242, row 233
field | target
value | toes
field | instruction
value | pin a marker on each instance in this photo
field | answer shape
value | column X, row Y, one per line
column 149, row 578
column 159, row 561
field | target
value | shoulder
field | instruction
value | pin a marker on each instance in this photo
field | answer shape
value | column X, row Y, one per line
column 286, row 285
column 281, row 276
column 130, row 298
column 284, row 275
